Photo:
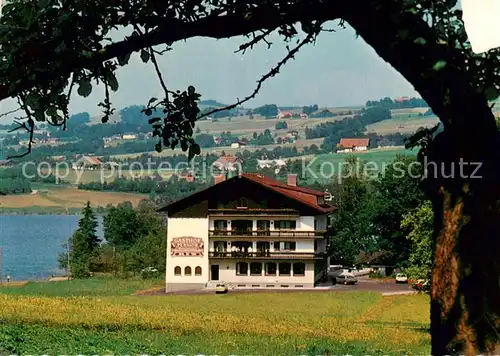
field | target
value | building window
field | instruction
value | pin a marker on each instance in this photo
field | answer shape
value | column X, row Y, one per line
column 299, row 269
column 270, row 269
column 197, row 271
column 242, row 203
column 290, row 245
column 285, row 225
column 242, row 269
column 187, row 271
column 220, row 225
column 276, row 245
column 321, row 200
column 256, row 268
column 220, row 246
column 285, row 268
column 177, row 271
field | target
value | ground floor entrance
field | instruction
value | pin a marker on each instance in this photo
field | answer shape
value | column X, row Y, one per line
column 214, row 272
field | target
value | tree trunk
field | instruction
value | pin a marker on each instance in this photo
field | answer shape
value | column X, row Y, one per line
column 465, row 293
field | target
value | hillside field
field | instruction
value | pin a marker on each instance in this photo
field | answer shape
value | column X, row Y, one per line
column 64, row 199
column 75, row 177
column 328, row 166
column 402, row 125
column 101, row 316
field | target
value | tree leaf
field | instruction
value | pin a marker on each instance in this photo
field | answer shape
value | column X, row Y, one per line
column 123, row 60
column 112, row 82
column 420, row 41
column 196, row 148
column 439, row 65
column 85, row 88
column 144, row 56
column 491, row 93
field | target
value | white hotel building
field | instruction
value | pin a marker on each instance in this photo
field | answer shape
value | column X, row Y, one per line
column 249, row 231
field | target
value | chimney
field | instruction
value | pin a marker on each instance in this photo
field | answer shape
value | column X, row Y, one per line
column 292, row 180
column 219, row 178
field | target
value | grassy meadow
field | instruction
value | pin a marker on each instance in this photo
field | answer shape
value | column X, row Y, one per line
column 327, row 166
column 102, row 316
column 402, row 124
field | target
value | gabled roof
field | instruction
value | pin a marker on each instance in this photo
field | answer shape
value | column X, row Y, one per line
column 228, row 159
column 306, row 196
column 354, row 142
column 93, row 161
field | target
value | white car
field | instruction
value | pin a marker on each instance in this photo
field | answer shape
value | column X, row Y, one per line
column 221, row 288
column 401, row 278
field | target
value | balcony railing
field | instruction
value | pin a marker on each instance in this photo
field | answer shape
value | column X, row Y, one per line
column 266, row 233
column 265, row 255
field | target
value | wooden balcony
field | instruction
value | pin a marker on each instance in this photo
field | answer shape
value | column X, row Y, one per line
column 267, row 233
column 239, row 212
column 267, row 255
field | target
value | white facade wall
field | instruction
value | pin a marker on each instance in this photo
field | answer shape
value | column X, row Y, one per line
column 305, row 223
column 199, row 227
column 227, row 273
column 360, row 148
column 304, row 245
column 192, row 227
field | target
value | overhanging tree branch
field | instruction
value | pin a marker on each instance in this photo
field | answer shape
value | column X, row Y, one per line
column 173, row 30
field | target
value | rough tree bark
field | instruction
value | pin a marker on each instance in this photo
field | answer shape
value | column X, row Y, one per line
column 465, row 295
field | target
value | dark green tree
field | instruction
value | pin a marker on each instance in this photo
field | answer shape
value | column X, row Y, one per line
column 395, row 193
column 83, row 245
column 122, row 226
column 419, row 222
column 351, row 221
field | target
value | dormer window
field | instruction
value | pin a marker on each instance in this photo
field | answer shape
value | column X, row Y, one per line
column 321, row 200
column 242, row 203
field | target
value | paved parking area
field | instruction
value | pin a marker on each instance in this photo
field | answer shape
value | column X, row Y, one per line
column 364, row 285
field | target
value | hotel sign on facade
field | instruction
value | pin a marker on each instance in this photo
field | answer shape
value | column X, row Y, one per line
column 187, row 246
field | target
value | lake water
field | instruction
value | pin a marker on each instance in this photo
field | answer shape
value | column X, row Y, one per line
column 31, row 244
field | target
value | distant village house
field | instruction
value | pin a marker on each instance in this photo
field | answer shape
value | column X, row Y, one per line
column 276, row 164
column 129, row 136
column 353, row 144
column 87, row 163
column 227, row 163
column 239, row 143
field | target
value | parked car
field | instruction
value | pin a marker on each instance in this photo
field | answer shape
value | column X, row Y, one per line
column 422, row 285
column 221, row 288
column 346, row 279
column 401, row 278
column 150, row 272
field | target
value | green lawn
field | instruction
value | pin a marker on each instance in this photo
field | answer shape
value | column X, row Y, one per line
column 100, row 316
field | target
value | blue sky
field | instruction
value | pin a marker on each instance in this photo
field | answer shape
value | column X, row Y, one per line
column 339, row 70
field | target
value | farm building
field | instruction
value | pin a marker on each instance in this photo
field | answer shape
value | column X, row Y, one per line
column 277, row 164
column 353, row 144
column 87, row 163
column 238, row 144
column 227, row 163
